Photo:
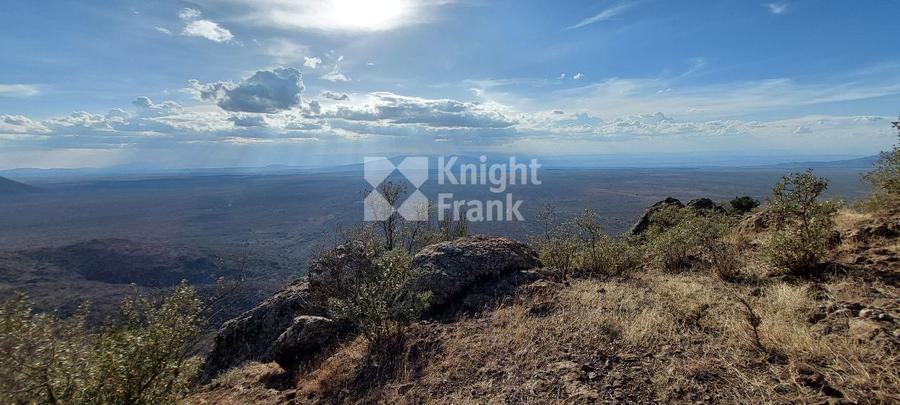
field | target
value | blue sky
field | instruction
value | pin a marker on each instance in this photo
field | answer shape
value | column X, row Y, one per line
column 253, row 82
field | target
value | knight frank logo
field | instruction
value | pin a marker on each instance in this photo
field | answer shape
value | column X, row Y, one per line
column 377, row 169
column 450, row 172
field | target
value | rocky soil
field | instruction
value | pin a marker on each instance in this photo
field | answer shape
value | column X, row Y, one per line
column 498, row 332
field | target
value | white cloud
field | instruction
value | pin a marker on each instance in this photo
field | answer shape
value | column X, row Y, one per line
column 334, row 15
column 267, row 108
column 334, row 77
column 163, row 30
column 777, row 8
column 577, row 76
column 400, row 110
column 189, row 14
column 18, row 90
column 19, row 124
column 602, row 16
column 147, row 106
column 195, row 27
column 312, row 62
column 207, row 29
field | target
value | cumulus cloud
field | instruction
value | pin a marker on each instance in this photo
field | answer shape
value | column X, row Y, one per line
column 147, row 106
column 19, row 124
column 266, row 91
column 196, row 27
column 577, row 76
column 397, row 109
column 335, row 96
column 207, row 29
column 267, row 107
column 312, row 62
column 335, row 76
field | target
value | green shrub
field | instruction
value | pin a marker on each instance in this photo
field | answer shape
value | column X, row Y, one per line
column 608, row 256
column 598, row 253
column 556, row 245
column 803, row 226
column 580, row 247
column 885, row 180
column 142, row 360
column 681, row 239
column 743, row 205
column 379, row 304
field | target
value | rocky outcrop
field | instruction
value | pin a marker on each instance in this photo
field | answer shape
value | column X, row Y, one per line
column 646, row 220
column 290, row 327
column 251, row 335
column 704, row 205
column 699, row 206
column 307, row 336
column 476, row 264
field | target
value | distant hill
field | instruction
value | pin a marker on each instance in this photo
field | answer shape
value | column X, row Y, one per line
column 10, row 187
column 860, row 163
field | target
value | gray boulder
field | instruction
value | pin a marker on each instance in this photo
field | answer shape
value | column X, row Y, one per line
column 307, row 336
column 250, row 336
column 453, row 270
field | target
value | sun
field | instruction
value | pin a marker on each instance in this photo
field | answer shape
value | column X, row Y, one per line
column 368, row 15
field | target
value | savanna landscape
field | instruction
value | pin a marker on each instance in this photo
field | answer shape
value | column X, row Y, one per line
column 449, row 202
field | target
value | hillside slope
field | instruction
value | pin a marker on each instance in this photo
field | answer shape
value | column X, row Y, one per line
column 11, row 187
column 646, row 337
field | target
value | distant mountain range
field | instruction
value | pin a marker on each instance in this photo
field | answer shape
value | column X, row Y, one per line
column 345, row 164
column 860, row 163
column 11, row 187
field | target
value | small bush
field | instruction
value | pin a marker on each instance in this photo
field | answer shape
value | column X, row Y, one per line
column 681, row 239
column 743, row 205
column 143, row 360
column 379, row 304
column 803, row 226
column 885, row 180
column 608, row 256
column 580, row 247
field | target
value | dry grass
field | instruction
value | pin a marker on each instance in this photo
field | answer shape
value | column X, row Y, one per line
column 653, row 337
column 646, row 337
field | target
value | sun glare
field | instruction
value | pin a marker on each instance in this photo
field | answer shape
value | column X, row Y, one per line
column 367, row 14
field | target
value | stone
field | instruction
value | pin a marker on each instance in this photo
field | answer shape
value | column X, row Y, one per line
column 474, row 265
column 250, row 336
column 307, row 336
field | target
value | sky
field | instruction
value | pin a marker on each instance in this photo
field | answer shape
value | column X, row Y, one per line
column 224, row 83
